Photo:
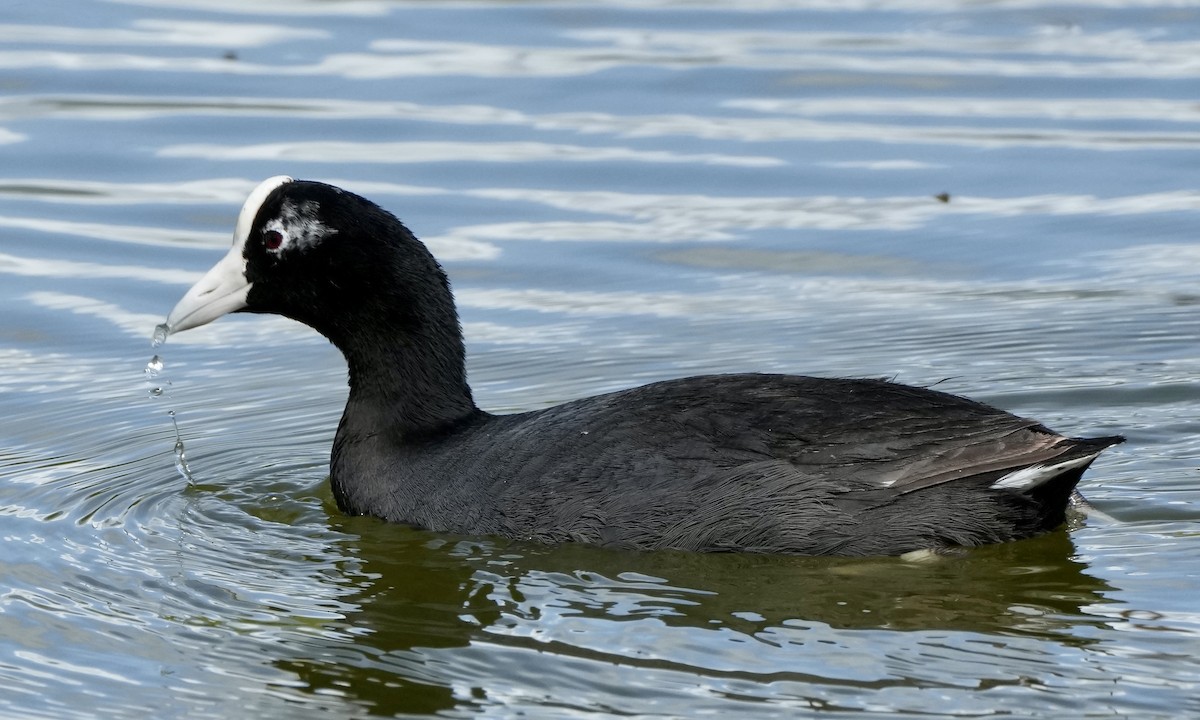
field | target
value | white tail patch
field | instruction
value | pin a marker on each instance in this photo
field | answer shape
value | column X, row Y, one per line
column 1035, row 475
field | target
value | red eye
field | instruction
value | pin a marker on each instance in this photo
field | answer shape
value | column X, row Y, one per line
column 272, row 239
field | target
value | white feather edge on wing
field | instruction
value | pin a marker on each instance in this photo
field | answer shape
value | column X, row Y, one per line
column 1034, row 475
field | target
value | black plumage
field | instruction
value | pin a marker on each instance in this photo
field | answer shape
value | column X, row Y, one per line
column 756, row 463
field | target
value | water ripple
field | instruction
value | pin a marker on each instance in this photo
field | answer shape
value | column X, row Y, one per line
column 429, row 152
column 988, row 198
column 748, row 129
column 159, row 32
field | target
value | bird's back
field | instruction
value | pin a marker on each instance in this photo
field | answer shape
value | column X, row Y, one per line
column 770, row 463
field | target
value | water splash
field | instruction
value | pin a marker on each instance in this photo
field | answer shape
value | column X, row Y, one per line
column 159, row 389
column 181, row 464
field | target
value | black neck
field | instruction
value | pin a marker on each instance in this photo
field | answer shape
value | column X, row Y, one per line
column 409, row 386
column 409, row 378
column 395, row 321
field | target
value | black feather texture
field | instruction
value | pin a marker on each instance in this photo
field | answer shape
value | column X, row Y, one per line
column 752, row 463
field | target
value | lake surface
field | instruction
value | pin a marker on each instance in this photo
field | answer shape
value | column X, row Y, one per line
column 621, row 192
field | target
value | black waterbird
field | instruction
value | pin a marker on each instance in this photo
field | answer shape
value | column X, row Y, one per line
column 751, row 462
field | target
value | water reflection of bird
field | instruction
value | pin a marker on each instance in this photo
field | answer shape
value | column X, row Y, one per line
column 432, row 613
column 757, row 463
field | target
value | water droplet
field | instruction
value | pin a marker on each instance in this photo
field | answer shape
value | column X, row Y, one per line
column 154, row 367
column 160, row 389
column 161, row 331
column 181, row 459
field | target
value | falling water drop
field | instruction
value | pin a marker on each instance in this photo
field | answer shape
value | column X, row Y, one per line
column 158, row 389
column 181, row 463
column 154, row 367
column 161, row 331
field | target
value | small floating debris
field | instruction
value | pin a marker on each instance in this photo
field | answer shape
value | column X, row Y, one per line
column 943, row 197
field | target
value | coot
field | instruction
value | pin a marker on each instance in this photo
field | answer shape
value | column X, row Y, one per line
column 752, row 463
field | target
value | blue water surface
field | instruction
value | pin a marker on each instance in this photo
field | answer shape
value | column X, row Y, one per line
column 996, row 198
